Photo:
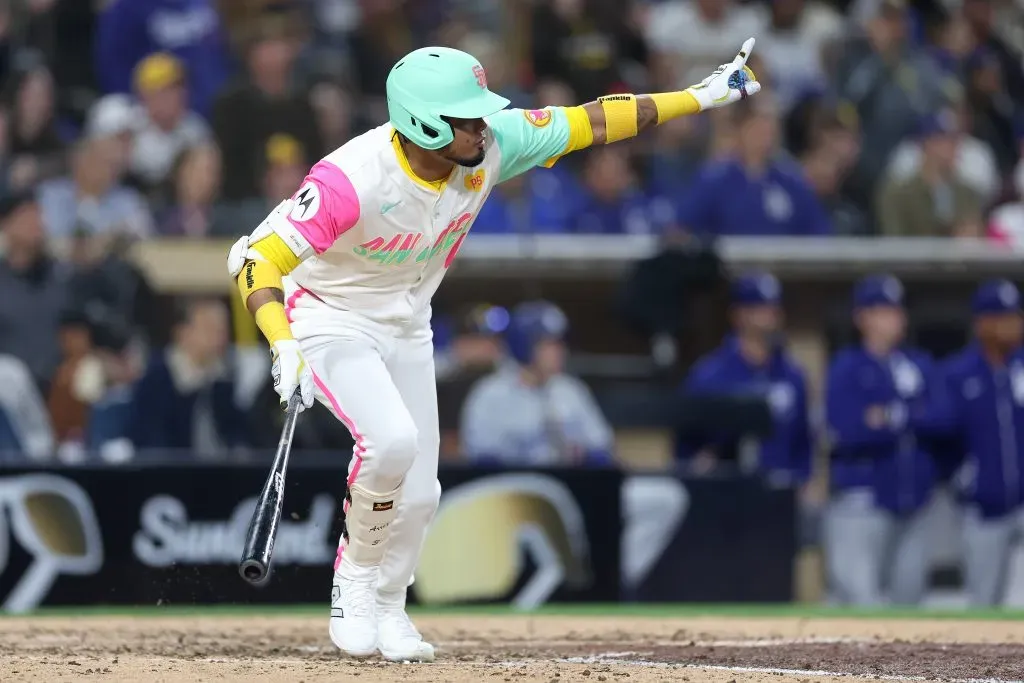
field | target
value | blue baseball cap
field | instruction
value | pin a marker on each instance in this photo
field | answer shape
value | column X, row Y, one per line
column 939, row 123
column 756, row 289
column 996, row 296
column 878, row 290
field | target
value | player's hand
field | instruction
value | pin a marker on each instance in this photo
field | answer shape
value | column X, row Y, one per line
column 730, row 83
column 290, row 372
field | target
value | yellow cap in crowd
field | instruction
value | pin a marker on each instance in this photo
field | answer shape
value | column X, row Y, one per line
column 156, row 71
column 283, row 150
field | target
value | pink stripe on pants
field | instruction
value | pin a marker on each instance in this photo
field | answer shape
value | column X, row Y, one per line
column 360, row 448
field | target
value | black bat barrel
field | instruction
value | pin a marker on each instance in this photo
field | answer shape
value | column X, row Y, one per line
column 259, row 541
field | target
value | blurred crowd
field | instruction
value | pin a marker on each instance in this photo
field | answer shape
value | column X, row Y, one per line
column 190, row 117
column 123, row 120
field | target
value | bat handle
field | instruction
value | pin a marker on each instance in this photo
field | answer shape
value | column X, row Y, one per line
column 294, row 401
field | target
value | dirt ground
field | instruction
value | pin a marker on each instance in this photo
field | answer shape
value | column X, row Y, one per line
column 483, row 649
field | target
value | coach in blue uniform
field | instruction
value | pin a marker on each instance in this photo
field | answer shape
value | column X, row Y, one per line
column 984, row 398
column 754, row 361
column 877, row 395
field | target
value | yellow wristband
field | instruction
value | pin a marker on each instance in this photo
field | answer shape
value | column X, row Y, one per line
column 672, row 105
column 620, row 113
column 273, row 322
column 257, row 275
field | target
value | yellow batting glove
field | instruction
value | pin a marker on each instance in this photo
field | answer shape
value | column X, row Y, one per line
column 729, row 83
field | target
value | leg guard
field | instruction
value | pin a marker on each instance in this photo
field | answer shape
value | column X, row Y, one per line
column 368, row 518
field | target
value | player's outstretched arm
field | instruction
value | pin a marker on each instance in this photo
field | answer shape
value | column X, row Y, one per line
column 617, row 117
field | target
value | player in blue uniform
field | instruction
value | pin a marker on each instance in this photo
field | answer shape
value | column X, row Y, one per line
column 878, row 395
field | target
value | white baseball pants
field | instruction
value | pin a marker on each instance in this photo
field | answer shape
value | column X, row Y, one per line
column 378, row 379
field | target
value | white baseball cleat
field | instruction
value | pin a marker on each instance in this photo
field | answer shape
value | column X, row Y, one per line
column 397, row 638
column 354, row 615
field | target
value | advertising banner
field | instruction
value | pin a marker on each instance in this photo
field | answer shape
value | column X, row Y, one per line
column 173, row 535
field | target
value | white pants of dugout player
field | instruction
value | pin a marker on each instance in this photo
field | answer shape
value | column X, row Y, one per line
column 868, row 549
column 378, row 379
column 987, row 546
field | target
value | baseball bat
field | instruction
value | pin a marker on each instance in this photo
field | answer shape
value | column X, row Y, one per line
column 259, row 541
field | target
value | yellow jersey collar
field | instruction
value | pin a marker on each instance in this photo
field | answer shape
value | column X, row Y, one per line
column 403, row 163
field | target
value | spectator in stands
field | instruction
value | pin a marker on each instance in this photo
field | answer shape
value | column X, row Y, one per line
column 197, row 179
column 500, row 70
column 247, row 115
column 545, row 201
column 35, row 288
column 465, row 350
column 25, row 431
column 891, row 85
column 165, row 126
column 754, row 361
column 336, row 114
column 975, row 164
column 614, row 201
column 680, row 146
column 826, row 164
column 755, row 191
column 992, row 110
column 793, row 47
column 933, row 202
column 77, row 383
column 532, row 412
column 34, row 143
column 383, row 36
column 186, row 396
column 825, row 171
column 981, row 16
column 1006, row 224
column 508, row 210
column 948, row 39
column 690, row 38
column 129, row 30
column 284, row 167
column 114, row 118
column 586, row 43
column 109, row 424
column 110, row 287
column 477, row 346
column 92, row 200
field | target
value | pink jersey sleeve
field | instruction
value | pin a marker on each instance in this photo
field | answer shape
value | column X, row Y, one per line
column 325, row 206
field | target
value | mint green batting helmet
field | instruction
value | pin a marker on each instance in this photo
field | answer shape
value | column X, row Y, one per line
column 433, row 82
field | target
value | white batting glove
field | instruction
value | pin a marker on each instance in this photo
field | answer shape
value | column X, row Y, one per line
column 730, row 82
column 290, row 372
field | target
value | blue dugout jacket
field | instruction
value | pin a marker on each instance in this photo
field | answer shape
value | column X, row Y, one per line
column 878, row 411
column 786, row 454
column 982, row 411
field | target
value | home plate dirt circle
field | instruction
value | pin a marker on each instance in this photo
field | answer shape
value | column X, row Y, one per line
column 552, row 649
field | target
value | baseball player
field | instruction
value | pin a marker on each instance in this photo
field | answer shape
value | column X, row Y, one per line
column 876, row 531
column 340, row 278
column 754, row 360
column 984, row 400
column 531, row 412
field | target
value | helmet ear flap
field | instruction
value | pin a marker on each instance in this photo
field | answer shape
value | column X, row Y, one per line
column 420, row 128
column 427, row 130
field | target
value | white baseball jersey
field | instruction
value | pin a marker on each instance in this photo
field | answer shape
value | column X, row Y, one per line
column 376, row 239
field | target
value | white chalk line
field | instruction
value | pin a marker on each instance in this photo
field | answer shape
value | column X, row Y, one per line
column 681, row 642
column 616, row 658
column 608, row 658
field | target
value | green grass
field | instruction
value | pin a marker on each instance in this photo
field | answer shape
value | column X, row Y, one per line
column 657, row 611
